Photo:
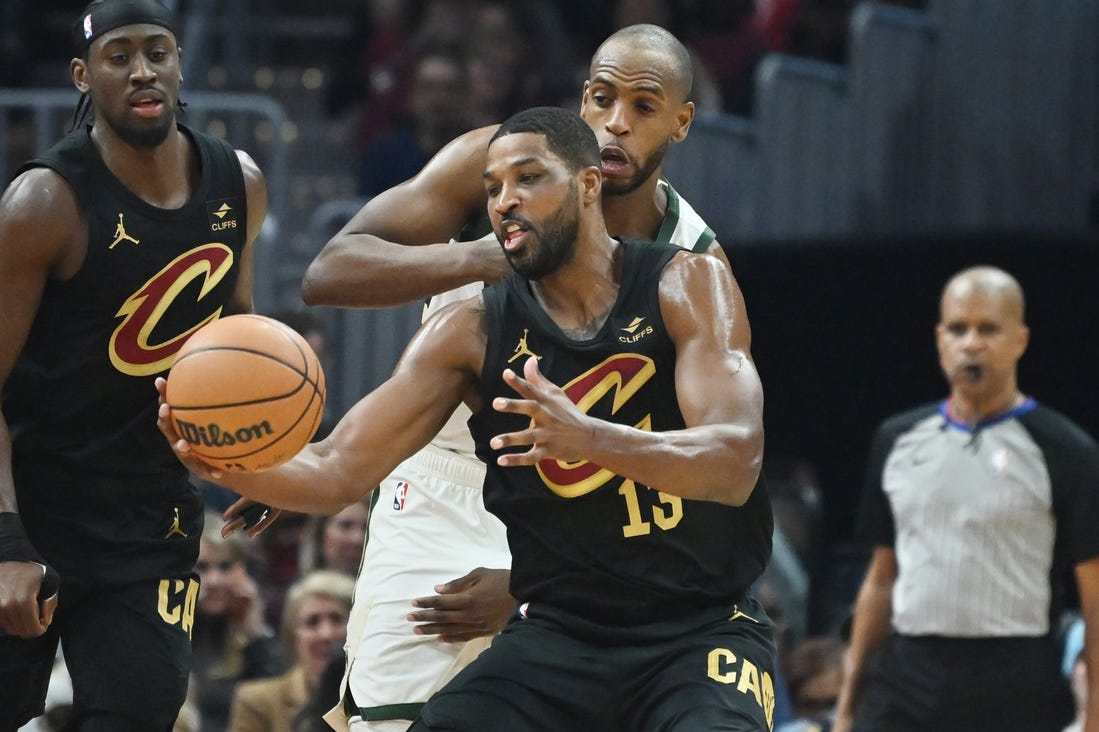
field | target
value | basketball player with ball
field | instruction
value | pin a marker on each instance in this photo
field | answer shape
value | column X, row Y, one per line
column 624, row 468
column 637, row 100
column 116, row 245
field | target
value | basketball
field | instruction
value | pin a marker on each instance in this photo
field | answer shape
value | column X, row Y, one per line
column 247, row 393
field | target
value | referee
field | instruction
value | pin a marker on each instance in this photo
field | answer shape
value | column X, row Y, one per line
column 981, row 508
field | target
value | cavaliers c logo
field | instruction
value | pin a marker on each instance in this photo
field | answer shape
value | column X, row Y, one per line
column 130, row 349
column 624, row 374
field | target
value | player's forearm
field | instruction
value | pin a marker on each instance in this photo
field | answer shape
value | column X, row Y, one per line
column 361, row 270
column 8, row 502
column 306, row 484
column 719, row 463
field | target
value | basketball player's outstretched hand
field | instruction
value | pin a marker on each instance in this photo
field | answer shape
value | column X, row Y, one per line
column 469, row 607
column 249, row 515
column 558, row 429
column 180, row 447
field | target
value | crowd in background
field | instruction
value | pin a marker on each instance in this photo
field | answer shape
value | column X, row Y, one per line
column 413, row 75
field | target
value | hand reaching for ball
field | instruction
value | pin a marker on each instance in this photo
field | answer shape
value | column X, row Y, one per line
column 180, row 446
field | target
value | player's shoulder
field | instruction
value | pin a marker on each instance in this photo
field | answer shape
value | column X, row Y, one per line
column 38, row 194
column 684, row 264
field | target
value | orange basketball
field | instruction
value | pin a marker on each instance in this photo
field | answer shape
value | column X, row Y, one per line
column 247, row 393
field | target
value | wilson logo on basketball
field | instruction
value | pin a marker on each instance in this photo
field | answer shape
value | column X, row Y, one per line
column 214, row 435
column 621, row 375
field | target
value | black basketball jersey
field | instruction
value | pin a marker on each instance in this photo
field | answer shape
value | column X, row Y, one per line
column 585, row 542
column 82, row 391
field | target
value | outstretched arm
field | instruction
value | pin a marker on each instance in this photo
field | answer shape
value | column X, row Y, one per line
column 396, row 249
column 437, row 371
column 717, row 457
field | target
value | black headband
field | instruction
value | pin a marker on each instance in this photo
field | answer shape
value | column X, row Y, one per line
column 111, row 14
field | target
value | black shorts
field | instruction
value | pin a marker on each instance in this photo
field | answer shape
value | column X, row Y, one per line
column 127, row 648
column 713, row 676
column 914, row 684
column 117, row 529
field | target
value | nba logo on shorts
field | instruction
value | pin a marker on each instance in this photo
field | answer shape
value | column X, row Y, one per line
column 399, row 494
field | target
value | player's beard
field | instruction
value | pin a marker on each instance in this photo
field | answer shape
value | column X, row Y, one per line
column 556, row 241
column 141, row 136
column 645, row 170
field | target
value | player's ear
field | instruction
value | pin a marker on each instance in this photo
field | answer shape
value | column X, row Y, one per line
column 584, row 96
column 591, row 183
column 683, row 120
column 78, row 69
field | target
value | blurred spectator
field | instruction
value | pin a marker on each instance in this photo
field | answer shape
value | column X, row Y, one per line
column 813, row 672
column 369, row 77
column 231, row 640
column 280, row 546
column 436, row 113
column 314, row 626
column 336, row 542
column 517, row 58
column 728, row 37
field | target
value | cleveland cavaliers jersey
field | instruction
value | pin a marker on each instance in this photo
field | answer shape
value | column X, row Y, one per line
column 82, row 389
column 585, row 542
column 681, row 226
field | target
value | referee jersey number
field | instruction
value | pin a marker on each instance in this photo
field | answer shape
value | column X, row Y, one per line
column 666, row 514
column 176, row 599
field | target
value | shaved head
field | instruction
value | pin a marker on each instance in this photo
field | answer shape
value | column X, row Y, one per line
column 669, row 56
column 991, row 282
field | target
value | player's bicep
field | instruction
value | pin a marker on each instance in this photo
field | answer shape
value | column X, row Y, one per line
column 703, row 310
column 431, row 206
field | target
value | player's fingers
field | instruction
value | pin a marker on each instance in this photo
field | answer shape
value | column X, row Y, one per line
column 231, row 527
column 263, row 523
column 46, row 610
column 164, row 422
column 518, row 383
column 182, row 448
column 457, row 585
column 161, row 387
column 25, row 622
column 448, row 630
column 460, row 637
column 532, row 372
column 528, row 407
column 532, row 435
column 434, row 607
column 516, row 459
